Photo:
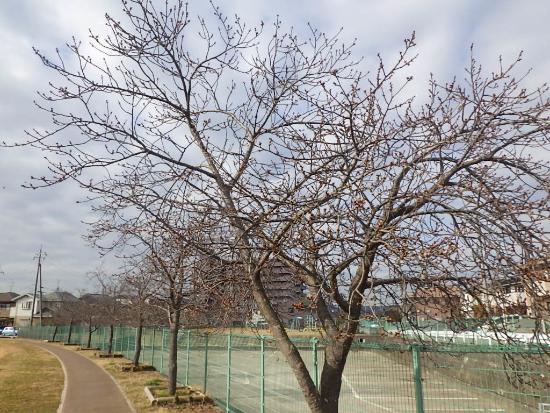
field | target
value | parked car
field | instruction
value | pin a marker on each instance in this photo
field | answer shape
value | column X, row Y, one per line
column 9, row 332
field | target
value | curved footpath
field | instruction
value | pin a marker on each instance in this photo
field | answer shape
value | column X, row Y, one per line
column 88, row 388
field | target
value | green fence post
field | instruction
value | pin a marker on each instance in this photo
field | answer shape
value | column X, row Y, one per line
column 188, row 347
column 205, row 362
column 128, row 342
column 142, row 339
column 314, row 340
column 417, row 374
column 162, row 351
column 153, row 347
column 228, row 388
column 121, row 349
column 262, row 374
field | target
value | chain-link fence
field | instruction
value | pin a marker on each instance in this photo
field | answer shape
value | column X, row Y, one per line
column 249, row 374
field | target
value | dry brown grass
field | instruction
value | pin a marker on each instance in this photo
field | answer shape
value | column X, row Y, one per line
column 31, row 379
column 133, row 384
column 249, row 331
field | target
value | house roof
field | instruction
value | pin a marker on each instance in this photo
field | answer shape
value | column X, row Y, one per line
column 21, row 296
column 7, row 297
column 59, row 296
column 55, row 296
column 92, row 297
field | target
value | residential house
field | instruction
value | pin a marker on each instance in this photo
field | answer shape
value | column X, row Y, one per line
column 538, row 288
column 6, row 304
column 526, row 294
column 52, row 302
column 21, row 308
column 508, row 296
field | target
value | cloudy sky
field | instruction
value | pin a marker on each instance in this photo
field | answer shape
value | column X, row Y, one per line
column 51, row 218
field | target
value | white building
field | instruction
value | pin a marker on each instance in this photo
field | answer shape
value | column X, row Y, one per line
column 21, row 311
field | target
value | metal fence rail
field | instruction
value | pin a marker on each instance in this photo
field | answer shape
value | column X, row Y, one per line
column 248, row 374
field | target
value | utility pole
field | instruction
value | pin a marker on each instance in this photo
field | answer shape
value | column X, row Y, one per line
column 40, row 281
column 38, row 275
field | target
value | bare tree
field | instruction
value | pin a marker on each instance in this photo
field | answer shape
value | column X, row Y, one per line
column 90, row 315
column 139, row 311
column 174, row 265
column 66, row 314
column 305, row 158
column 108, row 305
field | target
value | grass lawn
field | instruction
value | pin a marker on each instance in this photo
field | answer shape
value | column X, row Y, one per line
column 133, row 384
column 31, row 379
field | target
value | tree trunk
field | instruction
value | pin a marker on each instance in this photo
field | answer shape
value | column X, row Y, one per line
column 89, row 336
column 137, row 353
column 173, row 352
column 111, row 334
column 70, row 332
column 54, row 333
column 336, row 354
column 287, row 348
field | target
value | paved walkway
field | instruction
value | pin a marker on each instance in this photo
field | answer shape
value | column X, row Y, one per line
column 88, row 388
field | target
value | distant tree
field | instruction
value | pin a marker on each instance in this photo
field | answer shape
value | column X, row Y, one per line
column 108, row 306
column 175, row 266
column 169, row 269
column 66, row 314
column 139, row 309
column 90, row 314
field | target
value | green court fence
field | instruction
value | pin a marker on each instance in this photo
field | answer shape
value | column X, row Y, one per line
column 248, row 374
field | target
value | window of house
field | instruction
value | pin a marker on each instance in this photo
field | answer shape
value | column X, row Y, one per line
column 4, row 305
column 26, row 305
